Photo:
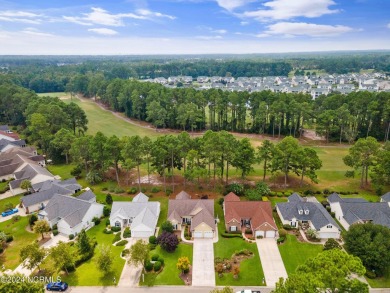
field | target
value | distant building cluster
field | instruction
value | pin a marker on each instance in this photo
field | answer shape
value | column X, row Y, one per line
column 309, row 84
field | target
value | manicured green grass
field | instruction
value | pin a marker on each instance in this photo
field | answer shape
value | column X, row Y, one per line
column 14, row 200
column 295, row 253
column 251, row 271
column 170, row 273
column 107, row 123
column 88, row 274
column 3, row 185
column 55, row 95
column 274, row 200
column 383, row 282
column 11, row 256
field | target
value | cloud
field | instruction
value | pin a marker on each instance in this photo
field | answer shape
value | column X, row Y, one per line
column 208, row 37
column 388, row 25
column 20, row 16
column 287, row 9
column 103, row 17
column 233, row 4
column 103, row 31
column 221, row 32
column 244, row 23
column 289, row 29
column 34, row 32
column 147, row 13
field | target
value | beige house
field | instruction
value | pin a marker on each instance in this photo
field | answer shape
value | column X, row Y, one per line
column 197, row 213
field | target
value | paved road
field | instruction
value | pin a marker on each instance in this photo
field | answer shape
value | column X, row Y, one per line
column 203, row 273
column 271, row 260
column 160, row 289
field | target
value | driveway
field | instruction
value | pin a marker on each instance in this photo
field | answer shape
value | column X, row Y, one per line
column 21, row 213
column 203, row 273
column 130, row 273
column 271, row 260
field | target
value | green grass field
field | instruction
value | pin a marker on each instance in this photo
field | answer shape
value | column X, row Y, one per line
column 295, row 253
column 88, row 274
column 14, row 200
column 11, row 256
column 170, row 273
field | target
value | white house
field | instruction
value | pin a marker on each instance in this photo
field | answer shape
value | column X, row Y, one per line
column 140, row 215
column 298, row 210
column 71, row 214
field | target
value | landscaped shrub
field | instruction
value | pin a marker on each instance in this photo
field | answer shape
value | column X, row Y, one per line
column 279, row 194
column 143, row 190
column 259, row 237
column 132, row 190
column 236, row 188
column 125, row 252
column 152, row 246
column 264, row 198
column 119, row 190
column 107, row 222
column 333, row 214
column 161, row 260
column 76, row 171
column 230, row 235
column 148, row 266
column 280, row 240
column 96, row 220
column 248, row 231
column 106, row 211
column 370, row 274
column 55, row 232
column 167, row 227
column 155, row 189
column 1, row 250
column 272, row 194
column 155, row 257
column 32, row 219
column 168, row 241
column 109, row 199
column 331, row 244
column 15, row 218
column 104, row 189
column 122, row 243
column 287, row 227
column 220, row 201
column 153, row 239
column 71, row 237
column 168, row 192
column 328, row 209
column 111, row 189
column 157, row 266
column 106, row 231
column 116, row 238
column 127, row 233
column 282, row 233
column 115, row 229
column 326, row 191
column 9, row 238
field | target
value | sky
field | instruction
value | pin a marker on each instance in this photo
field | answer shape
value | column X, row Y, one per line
column 101, row 27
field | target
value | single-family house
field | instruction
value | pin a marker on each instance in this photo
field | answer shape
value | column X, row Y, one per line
column 70, row 214
column 197, row 213
column 253, row 215
column 6, row 144
column 349, row 211
column 385, row 197
column 140, row 215
column 44, row 191
column 299, row 210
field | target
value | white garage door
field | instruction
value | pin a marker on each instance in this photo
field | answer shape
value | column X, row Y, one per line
column 270, row 234
column 198, row 234
column 140, row 234
column 208, row 234
column 329, row 235
column 259, row 233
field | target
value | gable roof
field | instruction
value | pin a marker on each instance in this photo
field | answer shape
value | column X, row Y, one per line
column 259, row 212
column 140, row 197
column 87, row 195
column 231, row 197
column 183, row 195
column 68, row 208
column 386, row 197
column 359, row 210
column 48, row 189
column 201, row 210
column 318, row 215
column 16, row 143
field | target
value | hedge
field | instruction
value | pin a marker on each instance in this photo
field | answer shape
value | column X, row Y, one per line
column 228, row 235
column 122, row 243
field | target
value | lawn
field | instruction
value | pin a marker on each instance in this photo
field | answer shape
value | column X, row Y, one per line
column 383, row 282
column 170, row 273
column 295, row 253
column 251, row 271
column 14, row 200
column 88, row 274
column 10, row 258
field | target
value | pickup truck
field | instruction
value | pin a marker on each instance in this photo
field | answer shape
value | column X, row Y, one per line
column 248, row 291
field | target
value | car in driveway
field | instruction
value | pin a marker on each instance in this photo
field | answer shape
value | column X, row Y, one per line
column 9, row 212
column 57, row 286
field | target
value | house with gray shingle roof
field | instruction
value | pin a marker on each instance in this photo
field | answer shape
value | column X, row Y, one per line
column 70, row 214
column 298, row 210
column 197, row 213
column 140, row 215
column 44, row 191
column 349, row 211
column 385, row 197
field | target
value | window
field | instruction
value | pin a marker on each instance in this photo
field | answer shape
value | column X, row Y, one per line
column 117, row 224
column 131, row 220
column 306, row 212
column 300, row 212
column 233, row 228
column 293, row 224
column 329, row 226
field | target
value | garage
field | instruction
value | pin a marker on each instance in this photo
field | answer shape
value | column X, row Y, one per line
column 259, row 233
column 141, row 234
column 329, row 235
column 208, row 234
column 198, row 234
column 270, row 234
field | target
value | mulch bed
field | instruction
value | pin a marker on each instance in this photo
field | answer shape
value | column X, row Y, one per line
column 187, row 278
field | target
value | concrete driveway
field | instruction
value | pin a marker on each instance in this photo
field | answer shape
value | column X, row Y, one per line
column 203, row 273
column 271, row 260
column 21, row 213
column 130, row 274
